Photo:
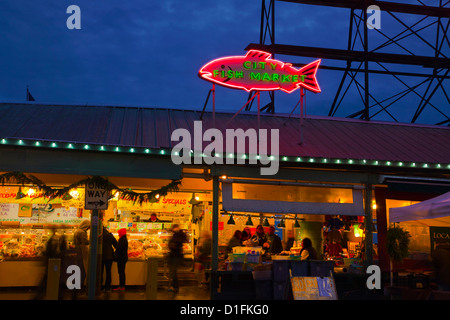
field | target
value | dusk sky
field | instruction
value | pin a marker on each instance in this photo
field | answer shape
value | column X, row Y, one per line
column 148, row 53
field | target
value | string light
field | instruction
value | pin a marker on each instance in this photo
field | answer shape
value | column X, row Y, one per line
column 23, row 142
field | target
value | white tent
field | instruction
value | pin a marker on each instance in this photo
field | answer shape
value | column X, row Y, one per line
column 431, row 212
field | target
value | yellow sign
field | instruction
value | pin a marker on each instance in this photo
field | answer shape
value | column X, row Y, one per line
column 313, row 288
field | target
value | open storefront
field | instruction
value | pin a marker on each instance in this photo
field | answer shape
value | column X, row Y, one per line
column 330, row 189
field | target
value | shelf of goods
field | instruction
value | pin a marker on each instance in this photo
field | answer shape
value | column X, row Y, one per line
column 21, row 254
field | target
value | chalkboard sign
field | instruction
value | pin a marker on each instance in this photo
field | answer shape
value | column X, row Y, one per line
column 313, row 288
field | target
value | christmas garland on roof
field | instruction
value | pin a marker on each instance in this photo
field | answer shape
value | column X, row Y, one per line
column 124, row 194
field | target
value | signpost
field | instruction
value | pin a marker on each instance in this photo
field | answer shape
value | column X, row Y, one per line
column 96, row 196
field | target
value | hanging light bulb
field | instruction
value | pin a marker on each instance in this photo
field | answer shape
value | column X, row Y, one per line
column 74, row 193
column 296, row 224
column 249, row 221
column 231, row 220
column 31, row 192
column 194, row 200
column 154, row 198
column 281, row 225
column 20, row 194
column 266, row 223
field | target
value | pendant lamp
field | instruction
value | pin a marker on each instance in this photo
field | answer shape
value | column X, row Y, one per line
column 249, row 221
column 231, row 220
column 20, row 194
column 194, row 200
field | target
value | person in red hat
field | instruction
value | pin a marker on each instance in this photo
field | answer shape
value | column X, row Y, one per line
column 122, row 257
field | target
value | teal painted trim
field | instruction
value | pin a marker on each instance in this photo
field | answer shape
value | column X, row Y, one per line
column 88, row 163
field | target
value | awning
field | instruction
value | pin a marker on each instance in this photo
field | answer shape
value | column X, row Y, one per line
column 436, row 208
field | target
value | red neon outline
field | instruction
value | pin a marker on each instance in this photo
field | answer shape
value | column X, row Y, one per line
column 207, row 75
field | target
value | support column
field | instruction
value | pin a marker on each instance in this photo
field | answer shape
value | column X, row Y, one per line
column 92, row 270
column 368, row 226
column 215, row 236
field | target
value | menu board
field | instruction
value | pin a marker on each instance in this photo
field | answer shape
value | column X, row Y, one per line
column 39, row 214
column 313, row 288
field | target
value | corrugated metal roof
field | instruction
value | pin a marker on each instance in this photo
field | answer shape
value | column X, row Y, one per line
column 152, row 127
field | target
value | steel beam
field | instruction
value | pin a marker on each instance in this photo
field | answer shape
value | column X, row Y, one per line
column 431, row 11
column 345, row 55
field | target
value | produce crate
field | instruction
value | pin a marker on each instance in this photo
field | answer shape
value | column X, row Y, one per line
column 262, row 274
column 299, row 268
column 321, row 268
column 236, row 257
column 263, row 290
column 280, row 270
column 280, row 290
column 235, row 266
column 253, row 258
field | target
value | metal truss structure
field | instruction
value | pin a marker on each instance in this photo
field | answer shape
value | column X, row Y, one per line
column 405, row 49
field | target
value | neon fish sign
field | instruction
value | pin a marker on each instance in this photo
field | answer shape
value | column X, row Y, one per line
column 256, row 71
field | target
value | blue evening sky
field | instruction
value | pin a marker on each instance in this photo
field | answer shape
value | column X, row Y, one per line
column 148, row 53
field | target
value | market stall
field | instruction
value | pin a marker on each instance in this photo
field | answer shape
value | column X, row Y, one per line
column 28, row 221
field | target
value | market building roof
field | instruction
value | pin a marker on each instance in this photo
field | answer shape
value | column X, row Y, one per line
column 143, row 129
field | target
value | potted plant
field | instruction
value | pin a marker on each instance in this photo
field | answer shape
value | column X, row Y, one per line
column 397, row 245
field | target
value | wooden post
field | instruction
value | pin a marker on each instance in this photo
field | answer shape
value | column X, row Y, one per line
column 92, row 270
column 151, row 289
column 215, row 237
column 53, row 274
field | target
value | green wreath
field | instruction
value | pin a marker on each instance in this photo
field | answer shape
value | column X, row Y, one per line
column 398, row 243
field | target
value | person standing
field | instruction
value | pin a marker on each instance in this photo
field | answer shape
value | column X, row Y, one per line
column 308, row 252
column 260, row 237
column 273, row 244
column 122, row 257
column 175, row 257
column 235, row 241
column 108, row 256
column 204, row 248
column 441, row 265
column 81, row 243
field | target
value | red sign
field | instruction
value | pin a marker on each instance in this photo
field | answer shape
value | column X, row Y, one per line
column 221, row 225
column 256, row 71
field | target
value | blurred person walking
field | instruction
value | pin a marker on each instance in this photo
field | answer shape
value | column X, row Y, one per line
column 81, row 243
column 204, row 248
column 175, row 257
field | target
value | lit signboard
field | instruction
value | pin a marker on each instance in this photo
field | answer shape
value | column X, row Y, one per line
column 256, row 71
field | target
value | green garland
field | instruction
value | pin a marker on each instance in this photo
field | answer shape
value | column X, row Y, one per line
column 398, row 243
column 124, row 194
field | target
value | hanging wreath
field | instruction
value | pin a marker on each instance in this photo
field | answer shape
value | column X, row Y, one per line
column 398, row 243
column 124, row 194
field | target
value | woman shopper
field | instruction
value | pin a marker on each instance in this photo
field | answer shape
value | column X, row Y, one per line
column 108, row 256
column 122, row 257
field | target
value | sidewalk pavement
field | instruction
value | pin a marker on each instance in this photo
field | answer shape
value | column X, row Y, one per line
column 186, row 292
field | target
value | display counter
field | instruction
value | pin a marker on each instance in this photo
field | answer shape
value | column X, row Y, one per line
column 22, row 262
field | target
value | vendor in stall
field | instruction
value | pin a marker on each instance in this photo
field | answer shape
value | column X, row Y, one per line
column 259, row 238
column 273, row 244
column 308, row 252
column 154, row 218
